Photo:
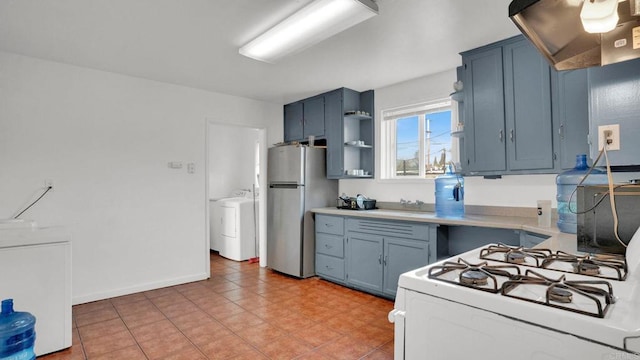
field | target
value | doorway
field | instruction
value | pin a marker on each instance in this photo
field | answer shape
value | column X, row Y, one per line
column 236, row 160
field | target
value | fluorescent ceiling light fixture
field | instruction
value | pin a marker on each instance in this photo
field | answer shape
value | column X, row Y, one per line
column 319, row 20
column 599, row 16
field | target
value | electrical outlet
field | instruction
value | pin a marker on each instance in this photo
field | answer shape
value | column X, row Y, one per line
column 48, row 183
column 609, row 137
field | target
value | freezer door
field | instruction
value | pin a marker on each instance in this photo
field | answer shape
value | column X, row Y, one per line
column 284, row 228
column 286, row 164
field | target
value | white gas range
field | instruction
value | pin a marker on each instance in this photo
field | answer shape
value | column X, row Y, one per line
column 501, row 302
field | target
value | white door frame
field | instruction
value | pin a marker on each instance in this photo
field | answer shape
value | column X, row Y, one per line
column 262, row 196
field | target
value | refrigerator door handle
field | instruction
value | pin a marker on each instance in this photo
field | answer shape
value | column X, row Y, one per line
column 284, row 186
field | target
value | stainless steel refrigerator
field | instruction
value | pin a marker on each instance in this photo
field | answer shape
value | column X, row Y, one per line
column 297, row 183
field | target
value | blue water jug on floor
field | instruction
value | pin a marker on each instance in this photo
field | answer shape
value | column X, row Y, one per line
column 566, row 185
column 449, row 194
column 17, row 333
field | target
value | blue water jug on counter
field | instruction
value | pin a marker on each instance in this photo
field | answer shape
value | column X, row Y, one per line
column 449, row 194
column 17, row 333
column 566, row 184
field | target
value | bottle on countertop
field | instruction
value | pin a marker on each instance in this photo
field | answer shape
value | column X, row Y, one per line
column 449, row 194
column 566, row 186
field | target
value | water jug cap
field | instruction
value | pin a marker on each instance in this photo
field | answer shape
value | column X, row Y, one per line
column 581, row 161
column 7, row 306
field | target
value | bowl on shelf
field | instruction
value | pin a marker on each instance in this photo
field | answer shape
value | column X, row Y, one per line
column 355, row 172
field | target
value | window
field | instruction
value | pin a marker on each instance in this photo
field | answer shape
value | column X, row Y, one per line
column 417, row 140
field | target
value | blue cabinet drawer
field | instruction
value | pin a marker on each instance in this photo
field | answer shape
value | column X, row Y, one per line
column 330, row 224
column 330, row 267
column 330, row 244
column 390, row 228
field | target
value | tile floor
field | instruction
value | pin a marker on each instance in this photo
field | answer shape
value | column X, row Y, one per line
column 241, row 312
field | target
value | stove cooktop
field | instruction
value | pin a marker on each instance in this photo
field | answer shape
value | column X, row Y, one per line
column 588, row 297
column 613, row 267
column 539, row 287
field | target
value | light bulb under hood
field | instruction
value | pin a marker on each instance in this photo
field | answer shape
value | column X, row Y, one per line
column 599, row 16
column 556, row 29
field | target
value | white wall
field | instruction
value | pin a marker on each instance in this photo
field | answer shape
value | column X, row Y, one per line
column 105, row 140
column 522, row 190
column 231, row 159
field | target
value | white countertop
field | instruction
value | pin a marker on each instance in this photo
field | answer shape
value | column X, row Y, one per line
column 557, row 240
column 33, row 236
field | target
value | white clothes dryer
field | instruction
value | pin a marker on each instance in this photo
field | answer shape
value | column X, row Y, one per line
column 233, row 226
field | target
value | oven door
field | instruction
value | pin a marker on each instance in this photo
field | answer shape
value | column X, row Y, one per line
column 437, row 328
column 397, row 316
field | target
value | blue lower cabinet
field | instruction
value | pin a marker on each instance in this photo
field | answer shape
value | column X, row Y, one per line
column 330, row 267
column 371, row 254
column 364, row 261
column 400, row 256
column 329, row 233
column 374, row 263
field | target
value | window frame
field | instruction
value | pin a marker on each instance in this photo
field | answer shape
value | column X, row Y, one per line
column 388, row 152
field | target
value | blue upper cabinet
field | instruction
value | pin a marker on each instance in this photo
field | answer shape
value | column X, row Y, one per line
column 313, row 123
column 527, row 94
column 293, row 121
column 515, row 122
column 614, row 98
column 334, row 112
column 304, row 118
column 344, row 128
column 570, row 108
column 344, row 120
column 484, row 111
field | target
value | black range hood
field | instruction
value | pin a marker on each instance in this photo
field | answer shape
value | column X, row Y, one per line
column 555, row 28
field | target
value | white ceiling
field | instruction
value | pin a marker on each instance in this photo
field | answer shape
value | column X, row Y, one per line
column 195, row 42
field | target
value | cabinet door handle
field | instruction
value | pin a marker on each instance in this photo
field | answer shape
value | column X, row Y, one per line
column 511, row 135
column 561, row 131
column 385, row 260
column 328, row 246
column 380, row 259
column 500, row 135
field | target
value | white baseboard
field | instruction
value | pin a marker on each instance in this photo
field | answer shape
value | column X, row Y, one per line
column 137, row 288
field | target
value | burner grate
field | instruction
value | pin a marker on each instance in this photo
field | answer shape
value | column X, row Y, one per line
column 591, row 296
column 588, row 297
column 478, row 276
column 515, row 255
column 612, row 267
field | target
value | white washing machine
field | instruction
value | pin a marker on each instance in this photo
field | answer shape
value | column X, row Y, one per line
column 233, row 228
